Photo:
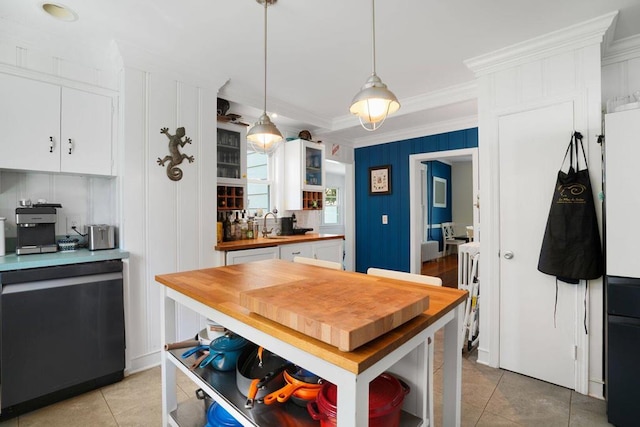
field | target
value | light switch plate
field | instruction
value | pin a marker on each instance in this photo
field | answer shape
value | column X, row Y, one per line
column 385, row 219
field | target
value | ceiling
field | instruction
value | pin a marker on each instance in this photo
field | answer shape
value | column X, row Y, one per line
column 319, row 50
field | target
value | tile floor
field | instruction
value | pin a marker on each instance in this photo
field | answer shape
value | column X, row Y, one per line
column 490, row 397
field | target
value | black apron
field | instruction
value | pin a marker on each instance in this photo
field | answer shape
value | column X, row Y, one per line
column 571, row 247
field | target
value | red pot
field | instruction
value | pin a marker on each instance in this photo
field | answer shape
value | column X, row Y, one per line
column 386, row 394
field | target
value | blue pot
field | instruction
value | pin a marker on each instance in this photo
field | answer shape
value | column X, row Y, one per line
column 224, row 352
column 217, row 416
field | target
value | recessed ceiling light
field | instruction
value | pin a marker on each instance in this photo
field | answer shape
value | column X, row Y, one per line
column 60, row 11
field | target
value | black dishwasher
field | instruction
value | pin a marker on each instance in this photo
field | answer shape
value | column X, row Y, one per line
column 623, row 350
column 61, row 333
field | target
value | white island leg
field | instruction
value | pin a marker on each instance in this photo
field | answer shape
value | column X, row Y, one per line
column 168, row 334
column 452, row 370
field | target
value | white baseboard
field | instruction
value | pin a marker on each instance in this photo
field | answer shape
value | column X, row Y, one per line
column 142, row 363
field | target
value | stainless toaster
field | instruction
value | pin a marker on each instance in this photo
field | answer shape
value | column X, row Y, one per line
column 101, row 236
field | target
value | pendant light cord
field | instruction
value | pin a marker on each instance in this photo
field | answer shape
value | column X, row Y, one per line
column 373, row 32
column 265, row 56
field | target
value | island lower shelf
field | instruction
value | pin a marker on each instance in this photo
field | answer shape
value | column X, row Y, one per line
column 222, row 388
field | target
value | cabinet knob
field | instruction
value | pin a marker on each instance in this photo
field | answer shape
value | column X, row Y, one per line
column 70, row 146
column 51, row 144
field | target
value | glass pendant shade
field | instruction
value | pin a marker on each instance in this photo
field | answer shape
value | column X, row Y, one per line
column 374, row 102
column 264, row 136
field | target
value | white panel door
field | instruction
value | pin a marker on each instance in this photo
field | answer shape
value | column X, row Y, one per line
column 531, row 147
column 622, row 151
column 30, row 122
column 86, row 133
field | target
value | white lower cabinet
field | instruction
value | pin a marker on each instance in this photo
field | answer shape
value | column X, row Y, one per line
column 328, row 250
column 288, row 252
column 248, row 255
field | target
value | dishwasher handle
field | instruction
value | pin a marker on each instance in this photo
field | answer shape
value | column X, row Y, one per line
column 58, row 283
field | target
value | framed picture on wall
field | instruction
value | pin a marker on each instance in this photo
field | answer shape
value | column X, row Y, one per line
column 439, row 192
column 380, row 179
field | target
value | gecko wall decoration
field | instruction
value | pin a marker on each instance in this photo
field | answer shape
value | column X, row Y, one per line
column 175, row 157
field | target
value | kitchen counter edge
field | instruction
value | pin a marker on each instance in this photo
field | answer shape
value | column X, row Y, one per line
column 11, row 261
column 260, row 242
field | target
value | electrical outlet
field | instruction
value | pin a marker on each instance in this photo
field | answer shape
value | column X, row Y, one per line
column 73, row 221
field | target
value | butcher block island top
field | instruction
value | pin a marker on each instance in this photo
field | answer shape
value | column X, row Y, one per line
column 222, row 289
column 340, row 312
column 261, row 242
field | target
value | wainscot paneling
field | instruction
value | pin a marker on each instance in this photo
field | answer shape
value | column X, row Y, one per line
column 387, row 245
column 168, row 224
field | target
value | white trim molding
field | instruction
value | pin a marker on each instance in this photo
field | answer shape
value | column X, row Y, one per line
column 574, row 37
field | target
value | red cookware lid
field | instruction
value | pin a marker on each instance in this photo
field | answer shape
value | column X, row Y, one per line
column 385, row 394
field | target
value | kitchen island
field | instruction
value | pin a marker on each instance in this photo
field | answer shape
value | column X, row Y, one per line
column 214, row 293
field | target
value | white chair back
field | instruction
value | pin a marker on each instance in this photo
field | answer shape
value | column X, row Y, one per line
column 447, row 230
column 409, row 277
column 318, row 262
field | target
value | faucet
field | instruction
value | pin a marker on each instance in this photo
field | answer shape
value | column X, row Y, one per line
column 265, row 232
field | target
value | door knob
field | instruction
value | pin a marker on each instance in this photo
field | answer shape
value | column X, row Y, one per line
column 508, row 255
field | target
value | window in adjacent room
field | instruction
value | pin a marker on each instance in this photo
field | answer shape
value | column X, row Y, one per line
column 331, row 214
column 258, row 181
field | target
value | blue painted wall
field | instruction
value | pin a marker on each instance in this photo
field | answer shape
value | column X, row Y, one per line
column 438, row 215
column 387, row 246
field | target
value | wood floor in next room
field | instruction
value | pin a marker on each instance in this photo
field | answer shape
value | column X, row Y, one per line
column 445, row 267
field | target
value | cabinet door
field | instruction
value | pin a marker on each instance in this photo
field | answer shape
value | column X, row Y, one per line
column 623, row 202
column 313, row 166
column 330, row 250
column 231, row 154
column 86, row 125
column 30, row 122
column 288, row 252
column 248, row 255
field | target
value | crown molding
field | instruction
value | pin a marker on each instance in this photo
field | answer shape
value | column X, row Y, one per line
column 418, row 131
column 622, row 50
column 574, row 37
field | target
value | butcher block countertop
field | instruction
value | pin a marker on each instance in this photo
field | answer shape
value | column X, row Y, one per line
column 220, row 288
column 261, row 242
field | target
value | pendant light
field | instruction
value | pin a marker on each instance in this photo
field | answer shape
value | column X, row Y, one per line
column 264, row 136
column 374, row 102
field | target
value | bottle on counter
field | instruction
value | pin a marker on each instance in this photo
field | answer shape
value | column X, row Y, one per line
column 250, row 234
column 294, row 221
column 219, row 228
column 237, row 231
column 226, row 225
column 243, row 226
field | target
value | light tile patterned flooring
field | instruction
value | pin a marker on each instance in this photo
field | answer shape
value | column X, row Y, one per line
column 490, row 397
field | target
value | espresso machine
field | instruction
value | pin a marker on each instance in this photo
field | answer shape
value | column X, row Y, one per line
column 36, row 228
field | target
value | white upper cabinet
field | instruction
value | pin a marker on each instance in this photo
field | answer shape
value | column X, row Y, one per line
column 305, row 174
column 30, row 122
column 86, row 144
column 49, row 128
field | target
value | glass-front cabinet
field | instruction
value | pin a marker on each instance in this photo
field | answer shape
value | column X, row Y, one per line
column 305, row 183
column 231, row 166
column 232, row 154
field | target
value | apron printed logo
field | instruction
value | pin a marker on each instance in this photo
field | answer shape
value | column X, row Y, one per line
column 568, row 193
